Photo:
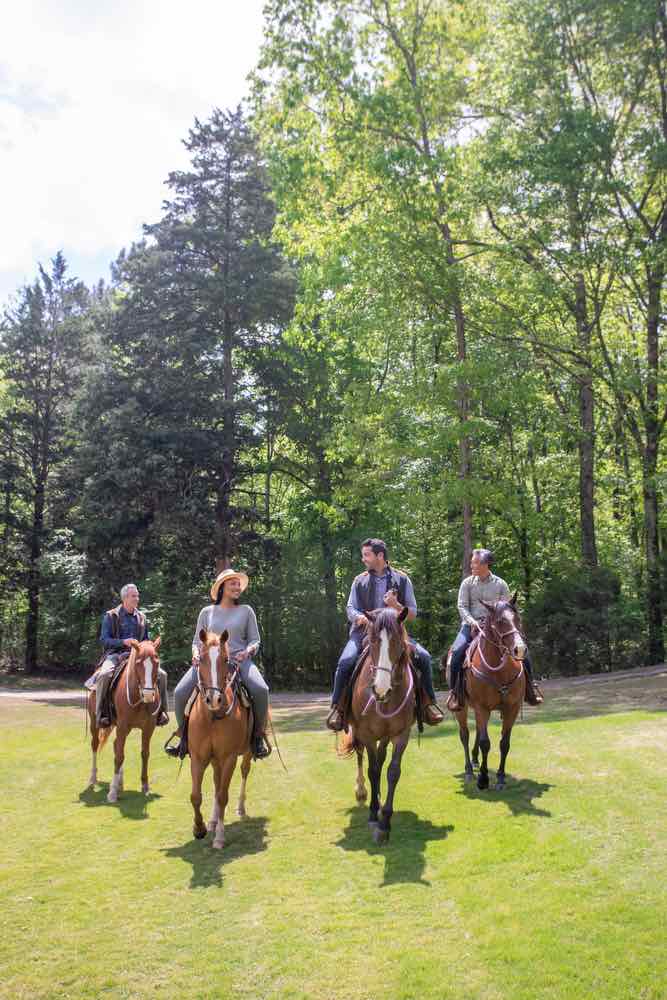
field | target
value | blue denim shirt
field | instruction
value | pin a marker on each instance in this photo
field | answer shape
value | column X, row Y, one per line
column 128, row 628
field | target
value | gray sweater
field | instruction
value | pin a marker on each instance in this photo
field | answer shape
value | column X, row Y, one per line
column 473, row 591
column 239, row 621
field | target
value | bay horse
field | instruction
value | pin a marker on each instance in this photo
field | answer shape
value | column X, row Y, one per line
column 219, row 731
column 494, row 679
column 136, row 699
column 382, row 712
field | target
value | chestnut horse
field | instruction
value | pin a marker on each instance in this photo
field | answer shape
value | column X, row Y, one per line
column 219, row 731
column 494, row 678
column 382, row 712
column 137, row 702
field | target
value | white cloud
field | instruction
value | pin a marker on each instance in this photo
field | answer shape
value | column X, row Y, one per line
column 94, row 103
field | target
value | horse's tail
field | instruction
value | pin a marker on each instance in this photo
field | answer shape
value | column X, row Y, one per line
column 347, row 746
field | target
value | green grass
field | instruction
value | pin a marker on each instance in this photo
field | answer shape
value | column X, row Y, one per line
column 553, row 889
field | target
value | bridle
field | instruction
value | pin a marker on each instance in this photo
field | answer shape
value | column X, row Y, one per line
column 403, row 663
column 207, row 690
column 142, row 689
column 501, row 645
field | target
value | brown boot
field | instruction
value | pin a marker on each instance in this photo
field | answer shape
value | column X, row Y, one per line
column 335, row 720
column 433, row 714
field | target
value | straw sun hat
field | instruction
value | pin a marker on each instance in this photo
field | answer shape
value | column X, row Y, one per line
column 227, row 574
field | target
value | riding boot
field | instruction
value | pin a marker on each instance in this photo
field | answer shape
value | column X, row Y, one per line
column 163, row 714
column 453, row 701
column 533, row 695
column 260, row 747
column 180, row 749
column 102, row 708
column 335, row 720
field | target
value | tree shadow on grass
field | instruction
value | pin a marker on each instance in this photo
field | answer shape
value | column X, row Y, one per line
column 246, row 836
column 518, row 794
column 131, row 804
column 404, row 854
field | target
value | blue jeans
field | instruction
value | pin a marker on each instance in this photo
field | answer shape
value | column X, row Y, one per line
column 350, row 655
column 251, row 677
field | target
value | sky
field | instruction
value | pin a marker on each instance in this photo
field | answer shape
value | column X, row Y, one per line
column 95, row 100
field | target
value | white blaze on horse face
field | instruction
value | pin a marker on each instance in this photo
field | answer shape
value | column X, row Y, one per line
column 214, row 653
column 382, row 683
column 148, row 693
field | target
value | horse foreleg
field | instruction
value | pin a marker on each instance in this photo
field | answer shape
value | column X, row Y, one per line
column 464, row 736
column 197, row 768
column 245, row 771
column 360, row 788
column 374, row 769
column 118, row 756
column 222, row 780
column 482, row 721
column 146, row 734
column 381, row 834
column 505, row 748
column 94, row 744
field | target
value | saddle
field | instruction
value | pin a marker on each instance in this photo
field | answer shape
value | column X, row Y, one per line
column 243, row 695
column 108, row 710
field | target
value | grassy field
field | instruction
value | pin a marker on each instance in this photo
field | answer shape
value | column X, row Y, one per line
column 553, row 889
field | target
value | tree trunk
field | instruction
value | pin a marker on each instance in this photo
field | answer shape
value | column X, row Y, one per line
column 586, row 403
column 34, row 582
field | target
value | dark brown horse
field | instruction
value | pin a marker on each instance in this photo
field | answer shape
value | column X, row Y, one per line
column 382, row 712
column 137, row 702
column 219, row 732
column 494, row 679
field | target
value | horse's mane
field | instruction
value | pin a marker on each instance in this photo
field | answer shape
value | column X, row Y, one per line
column 388, row 618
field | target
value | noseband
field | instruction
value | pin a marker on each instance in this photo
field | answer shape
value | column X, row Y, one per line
column 207, row 690
column 506, row 654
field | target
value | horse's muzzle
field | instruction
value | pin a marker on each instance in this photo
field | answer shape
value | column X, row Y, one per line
column 381, row 699
column 213, row 700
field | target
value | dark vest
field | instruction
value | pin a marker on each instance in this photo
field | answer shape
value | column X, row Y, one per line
column 364, row 588
column 115, row 621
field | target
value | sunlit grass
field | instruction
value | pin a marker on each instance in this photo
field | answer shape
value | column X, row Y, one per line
column 552, row 889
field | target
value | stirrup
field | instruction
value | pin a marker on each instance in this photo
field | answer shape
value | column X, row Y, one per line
column 335, row 720
column 260, row 748
column 177, row 750
column 162, row 719
column 453, row 703
column 434, row 708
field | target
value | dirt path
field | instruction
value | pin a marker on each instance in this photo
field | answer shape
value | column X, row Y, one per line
column 645, row 687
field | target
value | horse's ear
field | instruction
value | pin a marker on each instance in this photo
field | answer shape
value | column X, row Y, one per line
column 514, row 597
column 202, row 635
column 224, row 637
column 156, row 643
column 134, row 644
column 402, row 615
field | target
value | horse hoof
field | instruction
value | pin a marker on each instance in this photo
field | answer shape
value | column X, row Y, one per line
column 469, row 776
column 482, row 782
column 199, row 832
column 218, row 844
column 112, row 797
column 380, row 836
column 145, row 789
column 372, row 824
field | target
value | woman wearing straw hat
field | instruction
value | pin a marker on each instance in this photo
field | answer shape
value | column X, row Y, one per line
column 241, row 624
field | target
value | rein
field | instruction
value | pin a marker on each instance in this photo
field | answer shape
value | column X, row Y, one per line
column 390, row 715
column 477, row 645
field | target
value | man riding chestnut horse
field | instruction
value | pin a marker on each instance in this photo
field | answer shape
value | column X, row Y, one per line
column 380, row 586
column 475, row 593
